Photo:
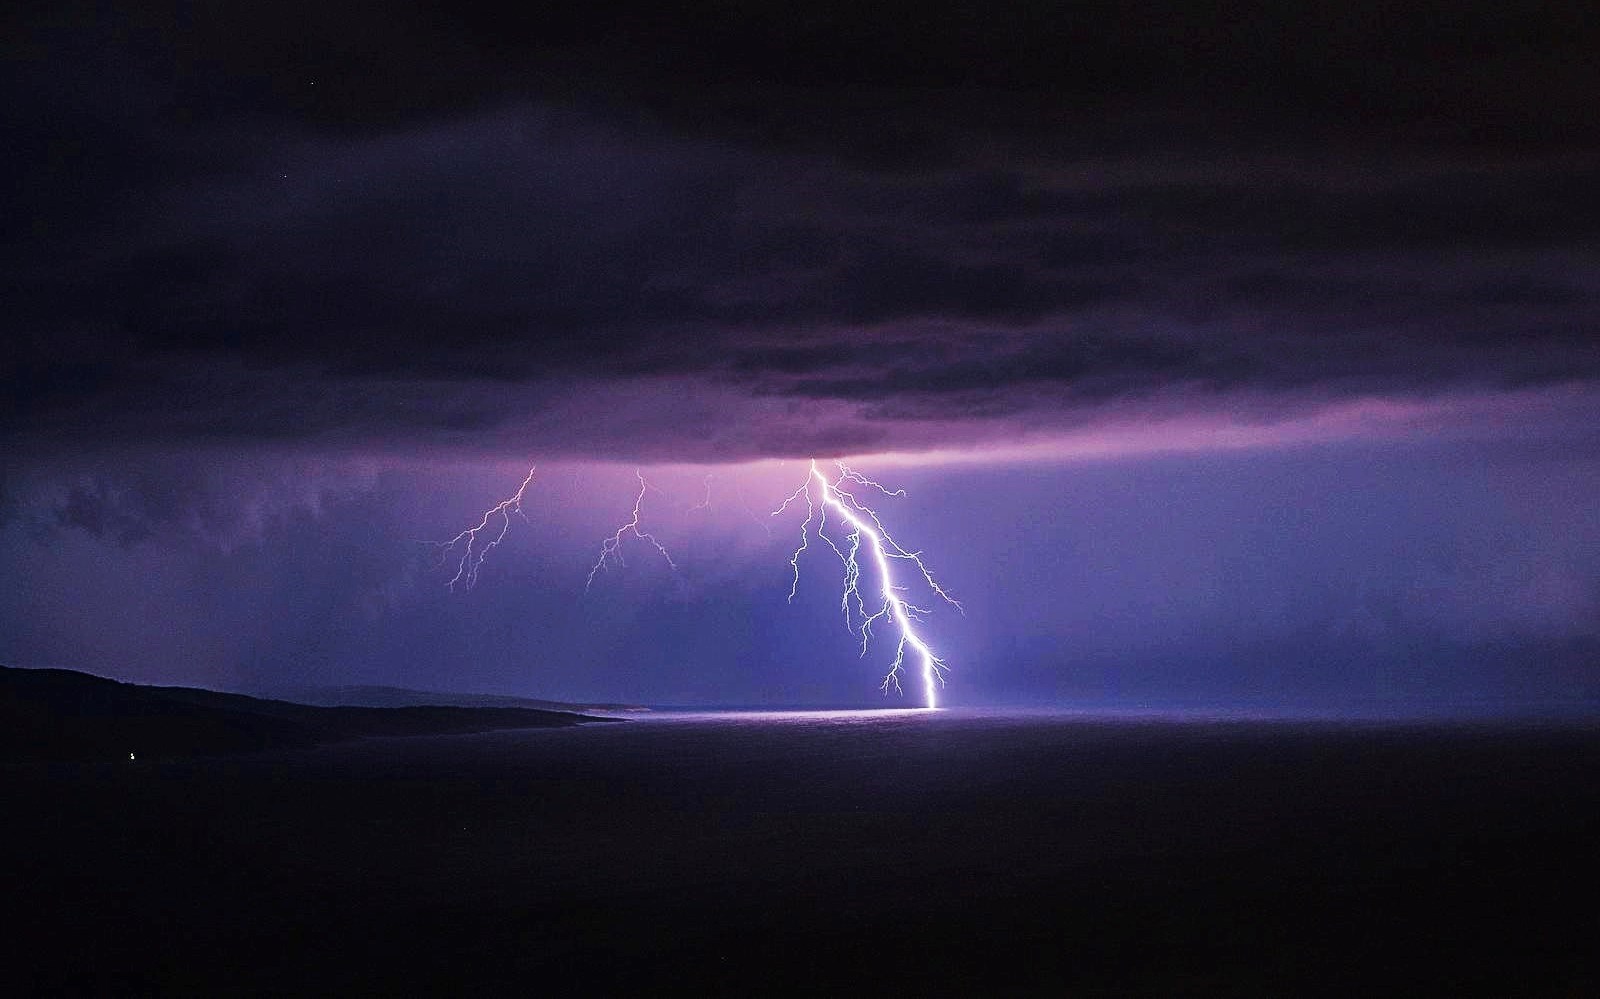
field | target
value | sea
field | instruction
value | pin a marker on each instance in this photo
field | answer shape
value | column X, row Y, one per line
column 899, row 852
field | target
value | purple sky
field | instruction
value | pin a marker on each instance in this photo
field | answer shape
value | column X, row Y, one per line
column 1230, row 355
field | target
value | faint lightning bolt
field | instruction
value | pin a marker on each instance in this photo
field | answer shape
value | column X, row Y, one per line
column 473, row 553
column 705, row 502
column 893, row 608
column 805, row 525
column 611, row 548
column 765, row 523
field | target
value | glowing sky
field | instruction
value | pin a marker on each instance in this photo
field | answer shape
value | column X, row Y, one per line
column 1221, row 354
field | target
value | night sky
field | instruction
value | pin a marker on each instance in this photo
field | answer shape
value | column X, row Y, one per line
column 1227, row 355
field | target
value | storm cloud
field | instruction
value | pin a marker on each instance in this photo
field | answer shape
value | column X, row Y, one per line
column 447, row 229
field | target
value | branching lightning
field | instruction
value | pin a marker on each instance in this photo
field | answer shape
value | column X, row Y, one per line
column 611, row 548
column 860, row 616
column 858, row 526
column 473, row 553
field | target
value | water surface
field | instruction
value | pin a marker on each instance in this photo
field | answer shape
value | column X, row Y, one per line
column 900, row 850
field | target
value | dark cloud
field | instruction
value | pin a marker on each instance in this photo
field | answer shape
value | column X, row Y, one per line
column 881, row 77
column 441, row 225
column 1089, row 366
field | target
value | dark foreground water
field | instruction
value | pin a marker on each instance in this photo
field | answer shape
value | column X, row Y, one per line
column 873, row 852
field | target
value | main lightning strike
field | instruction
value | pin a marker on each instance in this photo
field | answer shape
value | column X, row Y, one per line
column 895, row 609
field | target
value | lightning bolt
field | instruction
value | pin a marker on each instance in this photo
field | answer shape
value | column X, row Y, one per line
column 839, row 497
column 611, row 548
column 472, row 553
column 705, row 502
column 892, row 608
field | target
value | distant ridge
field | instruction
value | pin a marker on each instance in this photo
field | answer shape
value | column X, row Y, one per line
column 58, row 714
column 376, row 696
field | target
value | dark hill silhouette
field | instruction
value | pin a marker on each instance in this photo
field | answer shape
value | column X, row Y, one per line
column 57, row 714
column 375, row 696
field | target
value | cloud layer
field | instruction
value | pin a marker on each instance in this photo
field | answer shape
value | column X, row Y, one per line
column 730, row 233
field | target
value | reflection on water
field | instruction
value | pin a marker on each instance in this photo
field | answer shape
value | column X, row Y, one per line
column 1398, row 714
